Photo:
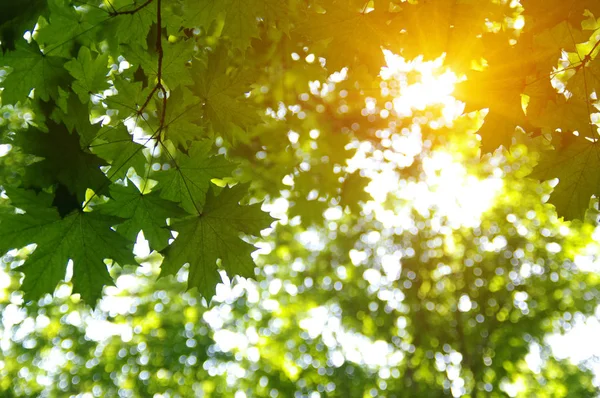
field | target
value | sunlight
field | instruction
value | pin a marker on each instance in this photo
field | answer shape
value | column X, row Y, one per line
column 459, row 196
column 422, row 84
column 446, row 186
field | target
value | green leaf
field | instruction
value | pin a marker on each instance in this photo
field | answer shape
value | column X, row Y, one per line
column 133, row 28
column 31, row 201
column 69, row 24
column 447, row 26
column 75, row 115
column 222, row 93
column 146, row 212
column 182, row 122
column 174, row 72
column 241, row 17
column 568, row 115
column 77, row 171
column 115, row 145
column 201, row 14
column 85, row 238
column 129, row 98
column 498, row 89
column 188, row 181
column 213, row 235
column 546, row 14
column 31, row 69
column 90, row 75
column 16, row 18
column 576, row 167
column 337, row 26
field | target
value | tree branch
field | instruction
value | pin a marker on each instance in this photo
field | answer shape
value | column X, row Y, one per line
column 158, row 86
column 130, row 12
column 159, row 50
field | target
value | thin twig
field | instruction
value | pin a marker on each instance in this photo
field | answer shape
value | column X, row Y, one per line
column 148, row 98
column 131, row 12
column 159, row 50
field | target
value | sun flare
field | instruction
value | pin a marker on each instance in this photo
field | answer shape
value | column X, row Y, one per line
column 433, row 85
column 447, row 185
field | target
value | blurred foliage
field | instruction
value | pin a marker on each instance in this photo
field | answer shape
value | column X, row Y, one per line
column 408, row 300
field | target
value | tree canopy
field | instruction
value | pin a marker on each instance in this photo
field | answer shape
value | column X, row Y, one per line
column 182, row 123
column 170, row 92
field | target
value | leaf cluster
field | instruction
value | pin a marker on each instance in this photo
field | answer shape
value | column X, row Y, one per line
column 144, row 114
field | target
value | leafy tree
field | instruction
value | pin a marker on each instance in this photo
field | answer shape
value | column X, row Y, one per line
column 177, row 118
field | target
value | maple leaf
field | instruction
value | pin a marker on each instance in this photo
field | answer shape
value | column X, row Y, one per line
column 541, row 15
column 434, row 27
column 115, row 144
column 75, row 115
column 201, row 14
column 222, row 93
column 571, row 109
column 586, row 80
column 79, row 171
column 85, row 238
column 182, row 119
column 39, row 203
column 67, row 22
column 131, row 95
column 583, row 87
column 240, row 17
column 90, row 75
column 16, row 18
column 30, row 69
column 571, row 112
column 188, row 181
column 540, row 93
column 146, row 212
column 497, row 88
column 542, row 48
column 569, row 115
column 215, row 234
column 576, row 167
column 174, row 70
column 134, row 28
column 338, row 26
